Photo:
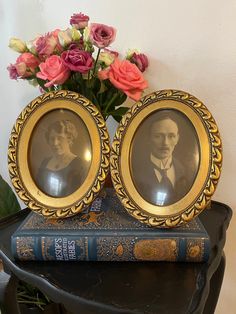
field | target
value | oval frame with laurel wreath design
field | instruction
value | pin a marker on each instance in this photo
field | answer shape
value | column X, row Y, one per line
column 210, row 161
column 18, row 154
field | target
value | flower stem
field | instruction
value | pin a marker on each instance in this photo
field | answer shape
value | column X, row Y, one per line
column 96, row 61
column 89, row 75
column 110, row 102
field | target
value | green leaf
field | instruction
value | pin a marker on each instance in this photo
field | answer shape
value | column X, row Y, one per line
column 41, row 84
column 70, row 86
column 107, row 83
column 8, row 200
column 118, row 113
column 96, row 85
column 122, row 98
column 103, row 87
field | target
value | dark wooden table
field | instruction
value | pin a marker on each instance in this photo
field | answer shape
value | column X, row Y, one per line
column 135, row 287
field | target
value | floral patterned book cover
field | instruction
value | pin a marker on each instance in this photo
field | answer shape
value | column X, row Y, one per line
column 106, row 232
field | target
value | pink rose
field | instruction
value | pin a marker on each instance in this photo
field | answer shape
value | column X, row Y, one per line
column 55, row 33
column 102, row 35
column 21, row 69
column 79, row 20
column 29, row 59
column 79, row 45
column 141, row 61
column 25, row 65
column 47, row 44
column 125, row 76
column 77, row 60
column 53, row 70
column 12, row 72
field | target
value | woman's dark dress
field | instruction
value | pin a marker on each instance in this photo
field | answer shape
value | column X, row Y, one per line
column 63, row 182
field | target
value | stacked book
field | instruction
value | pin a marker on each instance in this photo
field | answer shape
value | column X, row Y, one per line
column 105, row 232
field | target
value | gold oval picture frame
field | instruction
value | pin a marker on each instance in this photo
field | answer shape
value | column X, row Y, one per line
column 166, row 158
column 58, row 154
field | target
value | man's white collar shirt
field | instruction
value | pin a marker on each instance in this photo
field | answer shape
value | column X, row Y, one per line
column 169, row 166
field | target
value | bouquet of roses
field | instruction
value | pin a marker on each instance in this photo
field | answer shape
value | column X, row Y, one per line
column 78, row 59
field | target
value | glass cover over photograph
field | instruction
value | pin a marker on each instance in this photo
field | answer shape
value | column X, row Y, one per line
column 59, row 154
column 165, row 157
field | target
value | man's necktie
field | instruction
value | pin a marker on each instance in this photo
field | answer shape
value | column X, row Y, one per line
column 165, row 186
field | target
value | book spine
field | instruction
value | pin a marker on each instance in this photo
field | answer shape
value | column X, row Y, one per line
column 109, row 248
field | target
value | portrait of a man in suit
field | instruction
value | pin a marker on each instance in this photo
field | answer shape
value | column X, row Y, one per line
column 162, row 178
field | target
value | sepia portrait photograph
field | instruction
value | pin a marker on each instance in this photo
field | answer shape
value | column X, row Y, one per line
column 165, row 157
column 59, row 155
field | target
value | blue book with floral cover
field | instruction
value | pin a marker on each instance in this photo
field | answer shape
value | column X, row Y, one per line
column 106, row 232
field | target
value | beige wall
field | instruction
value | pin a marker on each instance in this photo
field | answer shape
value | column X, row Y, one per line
column 191, row 46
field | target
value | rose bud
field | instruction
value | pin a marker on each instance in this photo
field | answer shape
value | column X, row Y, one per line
column 17, row 45
column 79, row 21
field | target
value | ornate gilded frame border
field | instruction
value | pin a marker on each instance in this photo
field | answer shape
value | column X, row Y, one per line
column 208, row 173
column 22, row 180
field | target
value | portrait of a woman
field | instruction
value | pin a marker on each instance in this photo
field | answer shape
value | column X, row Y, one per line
column 61, row 173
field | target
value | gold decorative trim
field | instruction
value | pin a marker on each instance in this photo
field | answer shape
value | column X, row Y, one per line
column 208, row 174
column 18, row 150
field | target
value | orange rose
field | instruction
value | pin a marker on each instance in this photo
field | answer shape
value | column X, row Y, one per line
column 125, row 76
